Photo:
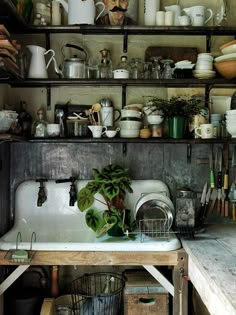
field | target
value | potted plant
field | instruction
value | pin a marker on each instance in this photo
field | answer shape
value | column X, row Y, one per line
column 179, row 110
column 112, row 183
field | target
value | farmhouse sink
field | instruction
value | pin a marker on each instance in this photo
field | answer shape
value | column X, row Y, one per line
column 60, row 227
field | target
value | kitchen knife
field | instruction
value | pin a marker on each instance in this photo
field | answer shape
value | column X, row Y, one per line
column 208, row 195
column 226, row 178
column 219, row 179
column 203, row 201
column 212, row 177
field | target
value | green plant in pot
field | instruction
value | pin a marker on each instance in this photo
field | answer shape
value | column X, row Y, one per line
column 179, row 110
column 112, row 183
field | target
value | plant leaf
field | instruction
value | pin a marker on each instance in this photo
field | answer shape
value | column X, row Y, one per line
column 111, row 191
column 93, row 219
column 103, row 229
column 84, row 199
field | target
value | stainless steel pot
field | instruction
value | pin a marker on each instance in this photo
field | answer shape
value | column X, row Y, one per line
column 74, row 67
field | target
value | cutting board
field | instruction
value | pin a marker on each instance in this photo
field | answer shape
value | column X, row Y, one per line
column 172, row 52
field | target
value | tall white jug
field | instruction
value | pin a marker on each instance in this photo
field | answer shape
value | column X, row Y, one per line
column 150, row 9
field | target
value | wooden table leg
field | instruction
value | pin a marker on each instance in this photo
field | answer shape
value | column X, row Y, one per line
column 180, row 281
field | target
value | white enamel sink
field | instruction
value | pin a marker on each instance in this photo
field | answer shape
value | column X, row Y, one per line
column 59, row 227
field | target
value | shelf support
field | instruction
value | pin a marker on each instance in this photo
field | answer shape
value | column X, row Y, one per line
column 12, row 278
column 123, row 95
column 125, row 42
column 48, row 44
column 124, row 151
column 48, row 98
column 208, row 43
column 189, row 153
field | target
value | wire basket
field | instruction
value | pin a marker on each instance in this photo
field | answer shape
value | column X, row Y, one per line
column 98, row 294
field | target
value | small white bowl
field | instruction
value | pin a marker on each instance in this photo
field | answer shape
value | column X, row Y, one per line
column 53, row 130
column 231, row 128
column 155, row 119
column 130, row 113
column 111, row 133
column 231, row 112
column 121, row 74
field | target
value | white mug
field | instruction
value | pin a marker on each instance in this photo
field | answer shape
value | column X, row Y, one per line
column 160, row 18
column 184, row 20
column 111, row 133
column 176, row 9
column 205, row 131
column 169, row 18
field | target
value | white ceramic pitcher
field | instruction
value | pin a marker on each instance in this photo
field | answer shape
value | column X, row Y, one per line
column 198, row 14
column 81, row 11
column 38, row 67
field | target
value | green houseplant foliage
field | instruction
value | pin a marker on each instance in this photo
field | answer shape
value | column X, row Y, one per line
column 179, row 110
column 112, row 183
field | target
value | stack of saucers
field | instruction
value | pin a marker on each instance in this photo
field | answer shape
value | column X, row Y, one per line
column 204, row 66
column 231, row 122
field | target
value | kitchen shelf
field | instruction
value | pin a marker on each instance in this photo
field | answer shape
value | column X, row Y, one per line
column 131, row 140
column 131, row 30
column 218, row 82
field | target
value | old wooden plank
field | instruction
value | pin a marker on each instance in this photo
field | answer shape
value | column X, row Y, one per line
column 100, row 258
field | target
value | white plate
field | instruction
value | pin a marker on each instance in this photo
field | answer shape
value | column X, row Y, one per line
column 204, row 75
column 229, row 49
column 220, row 104
column 226, row 57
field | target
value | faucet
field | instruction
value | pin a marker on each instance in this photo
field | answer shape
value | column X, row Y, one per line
column 42, row 193
column 73, row 190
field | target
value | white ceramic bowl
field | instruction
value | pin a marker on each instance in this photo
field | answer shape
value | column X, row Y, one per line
column 53, row 130
column 129, row 124
column 129, row 133
column 155, row 119
column 134, row 106
column 130, row 113
column 231, row 128
column 231, row 112
column 229, row 49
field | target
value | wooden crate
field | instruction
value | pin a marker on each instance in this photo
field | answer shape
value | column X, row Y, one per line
column 143, row 295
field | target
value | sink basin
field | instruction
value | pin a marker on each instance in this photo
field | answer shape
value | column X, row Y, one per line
column 59, row 227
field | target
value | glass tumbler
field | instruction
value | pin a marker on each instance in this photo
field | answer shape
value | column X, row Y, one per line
column 167, row 71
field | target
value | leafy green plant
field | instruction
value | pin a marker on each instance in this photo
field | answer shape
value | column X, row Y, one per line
column 176, row 106
column 112, row 183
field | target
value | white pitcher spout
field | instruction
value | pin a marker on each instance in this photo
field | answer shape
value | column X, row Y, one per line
column 64, row 4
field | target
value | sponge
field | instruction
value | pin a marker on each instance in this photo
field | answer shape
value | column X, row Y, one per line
column 20, row 254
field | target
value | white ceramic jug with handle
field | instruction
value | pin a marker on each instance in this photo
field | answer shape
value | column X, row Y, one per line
column 198, row 14
column 81, row 11
column 38, row 67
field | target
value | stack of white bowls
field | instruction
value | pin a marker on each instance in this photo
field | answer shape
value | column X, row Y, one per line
column 231, row 122
column 204, row 67
column 130, row 123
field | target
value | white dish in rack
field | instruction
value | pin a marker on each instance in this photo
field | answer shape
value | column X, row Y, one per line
column 226, row 57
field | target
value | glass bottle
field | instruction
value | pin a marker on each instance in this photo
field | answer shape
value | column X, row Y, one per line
column 39, row 128
column 167, row 71
column 136, row 65
column 105, row 66
column 123, row 63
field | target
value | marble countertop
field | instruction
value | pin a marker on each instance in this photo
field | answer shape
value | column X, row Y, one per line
column 212, row 267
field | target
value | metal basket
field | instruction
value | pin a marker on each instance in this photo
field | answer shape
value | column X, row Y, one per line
column 98, row 294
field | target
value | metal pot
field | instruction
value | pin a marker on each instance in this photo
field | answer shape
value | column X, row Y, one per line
column 74, row 67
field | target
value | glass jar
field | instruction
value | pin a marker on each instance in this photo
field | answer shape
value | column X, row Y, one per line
column 136, row 66
column 105, row 66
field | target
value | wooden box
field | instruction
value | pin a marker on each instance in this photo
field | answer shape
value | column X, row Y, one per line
column 143, row 295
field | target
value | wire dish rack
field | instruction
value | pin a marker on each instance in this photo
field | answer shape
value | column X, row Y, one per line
column 154, row 228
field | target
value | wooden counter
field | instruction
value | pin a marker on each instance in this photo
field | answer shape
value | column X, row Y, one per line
column 212, row 268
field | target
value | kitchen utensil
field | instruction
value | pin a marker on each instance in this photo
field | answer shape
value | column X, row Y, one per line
column 226, row 178
column 97, row 130
column 213, row 198
column 60, row 115
column 219, row 179
column 81, row 11
column 176, row 9
column 198, row 13
column 202, row 208
column 212, row 176
column 74, row 67
column 232, row 191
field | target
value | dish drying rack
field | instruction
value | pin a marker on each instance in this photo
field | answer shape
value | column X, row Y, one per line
column 30, row 252
column 159, row 229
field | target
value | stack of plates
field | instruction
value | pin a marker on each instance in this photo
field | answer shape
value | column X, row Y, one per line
column 204, row 74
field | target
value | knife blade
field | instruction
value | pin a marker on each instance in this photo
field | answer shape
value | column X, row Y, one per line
column 208, row 195
column 212, row 177
column 226, row 178
column 219, row 179
column 200, row 214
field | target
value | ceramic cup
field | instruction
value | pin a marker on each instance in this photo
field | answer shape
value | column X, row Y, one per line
column 53, row 130
column 160, row 18
column 169, row 18
column 97, row 131
column 111, row 133
column 205, row 131
column 184, row 20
